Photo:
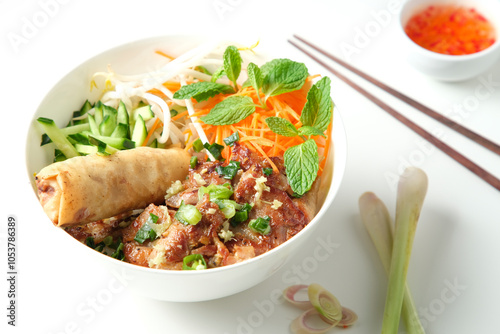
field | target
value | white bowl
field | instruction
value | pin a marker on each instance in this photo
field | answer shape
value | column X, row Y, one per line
column 450, row 67
column 186, row 286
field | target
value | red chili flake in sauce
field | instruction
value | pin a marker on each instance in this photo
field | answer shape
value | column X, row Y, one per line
column 451, row 30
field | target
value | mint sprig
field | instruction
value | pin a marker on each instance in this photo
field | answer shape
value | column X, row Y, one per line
column 219, row 73
column 255, row 79
column 318, row 109
column 302, row 165
column 232, row 64
column 282, row 76
column 202, row 91
column 230, row 111
column 281, row 126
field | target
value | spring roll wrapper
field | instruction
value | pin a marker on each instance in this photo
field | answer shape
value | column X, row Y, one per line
column 85, row 189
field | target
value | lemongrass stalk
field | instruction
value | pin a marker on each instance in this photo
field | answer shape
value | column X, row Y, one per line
column 379, row 225
column 412, row 188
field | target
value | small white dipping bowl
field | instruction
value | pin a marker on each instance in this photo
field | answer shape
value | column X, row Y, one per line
column 181, row 286
column 450, row 67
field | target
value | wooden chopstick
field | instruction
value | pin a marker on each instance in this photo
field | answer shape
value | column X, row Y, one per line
column 494, row 147
column 464, row 161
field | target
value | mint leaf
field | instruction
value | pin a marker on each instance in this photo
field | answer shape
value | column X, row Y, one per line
column 232, row 63
column 254, row 76
column 281, row 126
column 219, row 73
column 310, row 131
column 302, row 165
column 202, row 91
column 230, row 111
column 282, row 76
column 318, row 109
column 255, row 79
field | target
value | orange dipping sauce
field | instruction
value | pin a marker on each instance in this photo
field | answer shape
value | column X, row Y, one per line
column 451, row 30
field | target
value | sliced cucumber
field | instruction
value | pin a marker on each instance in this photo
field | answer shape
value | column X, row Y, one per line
column 121, row 131
column 122, row 116
column 66, row 131
column 83, row 110
column 98, row 112
column 59, row 139
column 107, row 125
column 78, row 138
column 86, row 149
column 102, row 147
column 154, row 144
column 93, row 126
column 75, row 129
column 140, row 132
column 145, row 112
column 118, row 143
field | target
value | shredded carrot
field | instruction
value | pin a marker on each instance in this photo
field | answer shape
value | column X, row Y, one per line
column 179, row 115
column 161, row 53
column 265, row 156
column 156, row 124
column 253, row 130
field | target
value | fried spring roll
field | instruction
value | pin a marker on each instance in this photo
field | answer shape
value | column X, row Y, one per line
column 88, row 188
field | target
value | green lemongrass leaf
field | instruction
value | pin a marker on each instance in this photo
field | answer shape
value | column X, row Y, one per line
column 202, row 91
column 378, row 223
column 318, row 109
column 230, row 111
column 310, row 131
column 281, row 126
column 302, row 165
column 232, row 64
column 412, row 188
column 282, row 76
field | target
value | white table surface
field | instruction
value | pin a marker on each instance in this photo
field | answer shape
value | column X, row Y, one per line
column 454, row 270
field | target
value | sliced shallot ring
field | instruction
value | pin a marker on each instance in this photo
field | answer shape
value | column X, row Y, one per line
column 325, row 303
column 289, row 295
column 300, row 326
column 349, row 317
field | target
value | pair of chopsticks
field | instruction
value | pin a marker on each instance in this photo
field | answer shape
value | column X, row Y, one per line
column 464, row 161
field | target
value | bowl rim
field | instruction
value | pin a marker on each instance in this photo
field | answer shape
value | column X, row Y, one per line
column 338, row 170
column 445, row 57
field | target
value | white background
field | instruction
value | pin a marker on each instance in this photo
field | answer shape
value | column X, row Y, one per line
column 454, row 272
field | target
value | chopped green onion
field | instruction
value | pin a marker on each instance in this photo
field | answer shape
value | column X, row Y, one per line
column 193, row 162
column 194, row 262
column 89, row 241
column 188, row 214
column 228, row 207
column 118, row 254
column 147, row 231
column 215, row 149
column 108, row 240
column 173, row 112
column 216, row 191
column 232, row 139
column 241, row 215
column 261, row 225
column 229, row 171
column 198, row 145
column 268, row 171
